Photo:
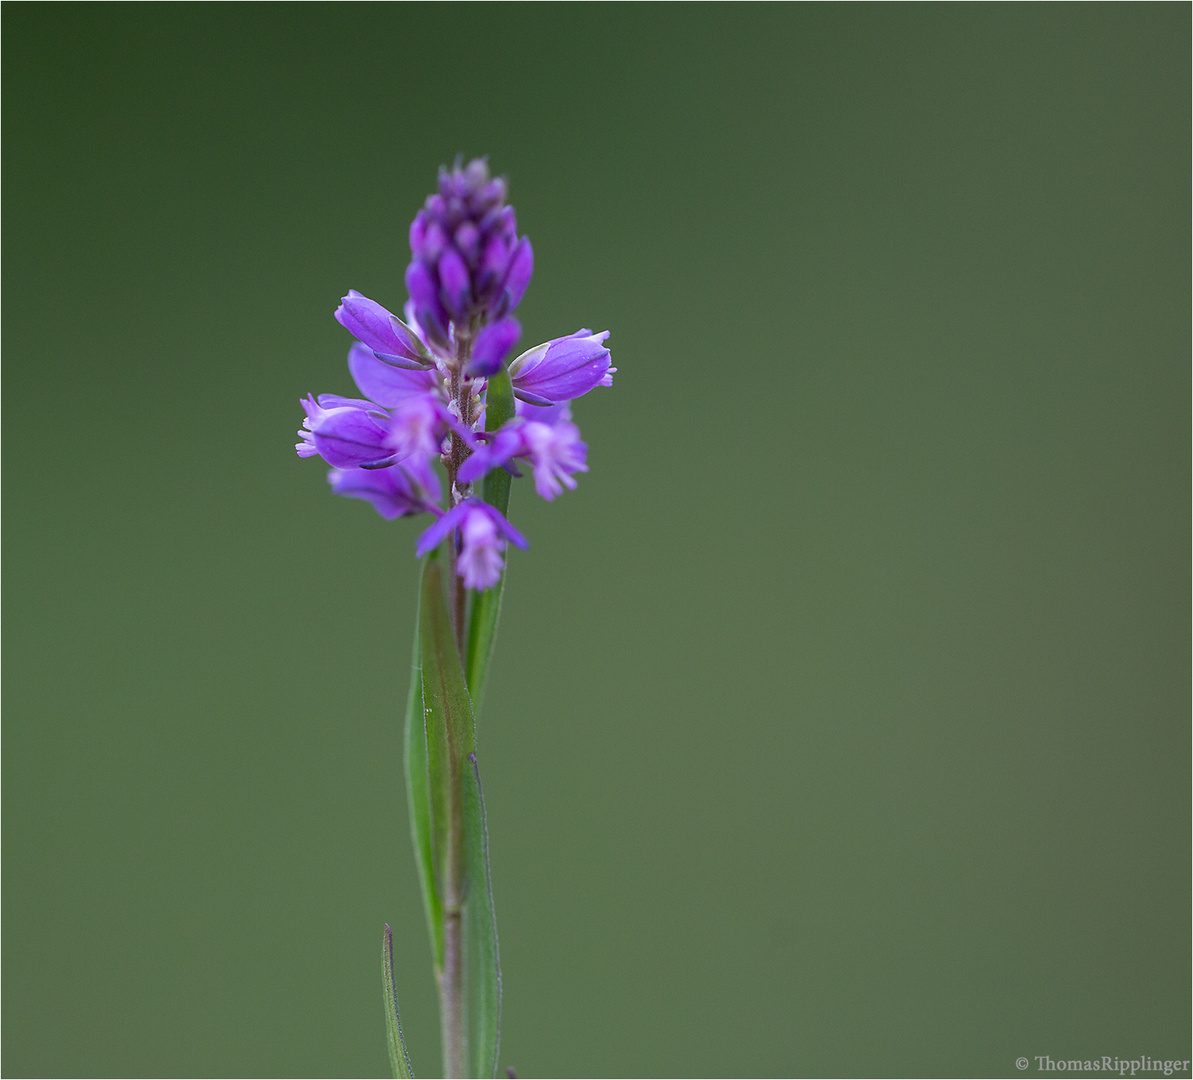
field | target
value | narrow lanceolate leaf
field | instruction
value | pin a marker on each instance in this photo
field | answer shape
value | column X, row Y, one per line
column 482, row 633
column 499, row 407
column 483, row 960
column 486, row 606
column 450, row 736
column 399, row 1060
column 418, row 795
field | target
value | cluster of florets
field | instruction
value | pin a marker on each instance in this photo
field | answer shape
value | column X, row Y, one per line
column 425, row 381
column 468, row 262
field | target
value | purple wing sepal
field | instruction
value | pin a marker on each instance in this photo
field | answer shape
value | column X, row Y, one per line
column 380, row 330
column 396, row 491
column 562, row 369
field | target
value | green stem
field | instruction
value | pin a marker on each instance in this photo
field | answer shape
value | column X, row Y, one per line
column 451, row 997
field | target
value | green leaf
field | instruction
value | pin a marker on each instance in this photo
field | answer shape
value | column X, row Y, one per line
column 482, row 635
column 399, row 1060
column 450, row 735
column 418, row 795
column 499, row 407
column 486, row 606
column 483, row 960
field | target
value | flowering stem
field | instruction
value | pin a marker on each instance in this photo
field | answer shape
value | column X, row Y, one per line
column 451, row 980
column 461, row 397
column 451, row 996
column 452, row 463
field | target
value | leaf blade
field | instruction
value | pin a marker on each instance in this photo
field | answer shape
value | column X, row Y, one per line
column 499, row 407
column 418, row 798
column 450, row 735
column 484, row 958
column 399, row 1059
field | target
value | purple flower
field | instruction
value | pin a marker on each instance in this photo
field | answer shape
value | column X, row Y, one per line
column 306, row 439
column 521, row 267
column 389, row 338
column 562, row 369
column 345, row 433
column 423, row 287
column 493, row 344
column 554, row 450
column 397, row 491
column 467, row 258
column 557, row 454
column 483, row 533
column 421, row 422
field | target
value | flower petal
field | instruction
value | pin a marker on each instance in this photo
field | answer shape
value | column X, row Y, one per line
column 517, row 277
column 423, row 478
column 494, row 262
column 335, row 401
column 349, row 437
column 504, row 527
column 389, row 490
column 424, row 291
column 455, row 282
column 480, row 561
column 383, row 383
column 377, row 328
column 564, row 369
column 441, row 530
column 557, row 454
column 507, row 444
column 492, row 346
column 549, row 414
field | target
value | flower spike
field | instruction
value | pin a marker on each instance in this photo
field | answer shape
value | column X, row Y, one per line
column 424, row 381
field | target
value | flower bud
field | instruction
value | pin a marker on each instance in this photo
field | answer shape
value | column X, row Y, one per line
column 467, row 258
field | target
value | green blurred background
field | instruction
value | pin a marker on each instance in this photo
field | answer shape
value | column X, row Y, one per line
column 839, row 721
